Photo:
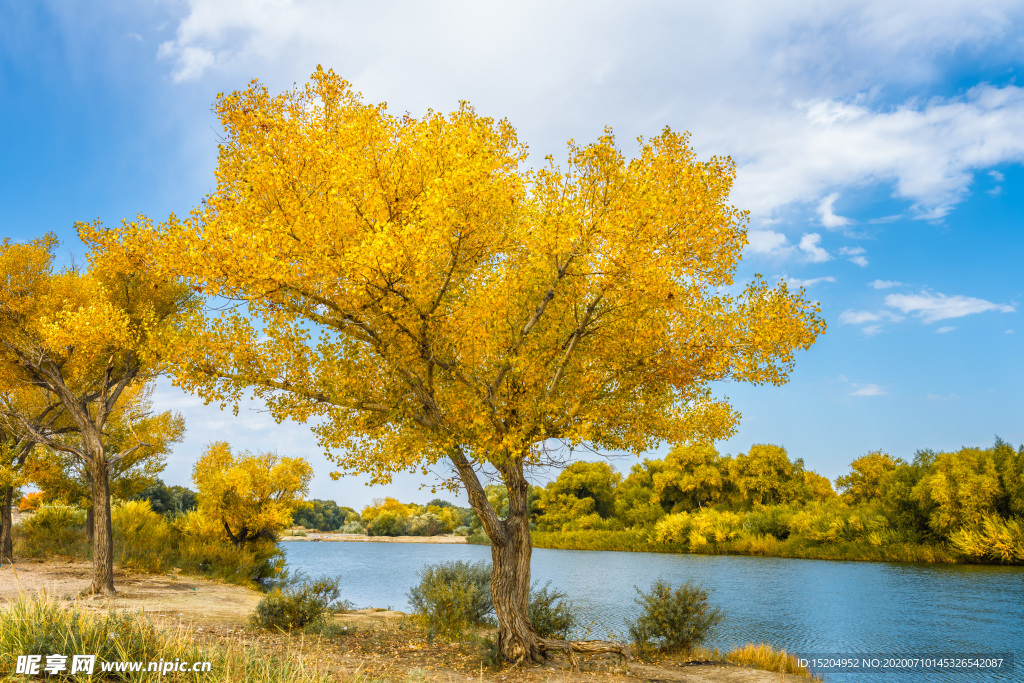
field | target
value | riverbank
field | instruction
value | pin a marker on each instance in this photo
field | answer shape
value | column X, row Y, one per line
column 377, row 645
column 638, row 540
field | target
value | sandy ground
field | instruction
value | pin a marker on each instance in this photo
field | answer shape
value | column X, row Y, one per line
column 384, row 645
column 330, row 536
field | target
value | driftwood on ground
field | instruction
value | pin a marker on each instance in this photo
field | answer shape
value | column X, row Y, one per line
column 571, row 647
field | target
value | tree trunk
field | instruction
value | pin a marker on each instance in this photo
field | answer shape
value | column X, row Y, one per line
column 511, row 550
column 90, row 523
column 510, row 587
column 103, row 538
column 6, row 533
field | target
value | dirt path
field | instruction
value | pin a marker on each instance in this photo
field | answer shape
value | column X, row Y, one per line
column 383, row 644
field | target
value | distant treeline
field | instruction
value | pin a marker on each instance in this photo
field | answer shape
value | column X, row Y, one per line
column 951, row 506
column 964, row 505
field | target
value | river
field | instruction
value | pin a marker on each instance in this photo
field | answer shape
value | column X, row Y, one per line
column 808, row 607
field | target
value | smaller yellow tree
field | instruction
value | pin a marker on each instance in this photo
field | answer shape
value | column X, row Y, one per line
column 251, row 496
column 867, row 474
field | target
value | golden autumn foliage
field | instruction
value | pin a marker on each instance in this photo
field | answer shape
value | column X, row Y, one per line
column 79, row 338
column 426, row 295
column 250, row 497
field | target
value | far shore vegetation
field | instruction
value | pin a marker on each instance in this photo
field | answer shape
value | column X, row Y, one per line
column 957, row 506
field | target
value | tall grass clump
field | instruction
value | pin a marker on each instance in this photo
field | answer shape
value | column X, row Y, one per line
column 297, row 605
column 44, row 626
column 673, row 621
column 452, row 596
column 765, row 657
column 53, row 531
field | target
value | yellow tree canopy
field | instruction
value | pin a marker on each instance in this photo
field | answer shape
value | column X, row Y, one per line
column 252, row 496
column 412, row 282
column 63, row 477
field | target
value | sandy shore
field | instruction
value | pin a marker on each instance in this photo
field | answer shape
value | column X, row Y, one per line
column 363, row 538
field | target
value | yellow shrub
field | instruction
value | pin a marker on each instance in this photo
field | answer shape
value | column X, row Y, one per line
column 141, row 537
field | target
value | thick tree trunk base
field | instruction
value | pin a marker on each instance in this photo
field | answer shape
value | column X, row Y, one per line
column 572, row 647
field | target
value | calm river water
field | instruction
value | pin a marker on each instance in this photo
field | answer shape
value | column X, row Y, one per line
column 808, row 607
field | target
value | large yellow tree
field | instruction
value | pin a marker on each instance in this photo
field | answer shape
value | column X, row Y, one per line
column 83, row 338
column 412, row 284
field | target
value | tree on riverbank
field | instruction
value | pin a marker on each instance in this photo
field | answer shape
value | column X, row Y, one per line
column 82, row 338
column 428, row 299
column 252, row 496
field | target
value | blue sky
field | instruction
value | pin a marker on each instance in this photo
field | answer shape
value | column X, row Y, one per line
column 879, row 153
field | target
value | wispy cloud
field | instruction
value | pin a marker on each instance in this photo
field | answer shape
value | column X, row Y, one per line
column 768, row 242
column 944, row 330
column 932, row 307
column 828, row 216
column 810, row 245
column 797, row 282
column 868, row 390
column 860, row 317
column 884, row 284
column 855, row 255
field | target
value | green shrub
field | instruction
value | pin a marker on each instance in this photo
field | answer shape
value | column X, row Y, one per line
column 387, row 523
column 453, row 595
column 550, row 613
column 296, row 605
column 53, row 530
column 673, row 621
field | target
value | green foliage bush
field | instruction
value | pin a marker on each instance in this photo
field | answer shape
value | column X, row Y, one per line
column 387, row 523
column 296, row 605
column 550, row 613
column 169, row 501
column 453, row 595
column 323, row 515
column 673, row 621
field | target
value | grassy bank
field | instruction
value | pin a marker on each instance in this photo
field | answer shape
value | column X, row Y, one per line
column 641, row 540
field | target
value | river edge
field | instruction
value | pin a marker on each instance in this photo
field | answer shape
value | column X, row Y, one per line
column 385, row 645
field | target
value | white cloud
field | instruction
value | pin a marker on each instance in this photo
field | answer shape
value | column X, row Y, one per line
column 828, row 217
column 797, row 282
column 884, row 284
column 791, row 91
column 768, row 242
column 855, row 255
column 997, row 176
column 851, row 317
column 810, row 245
column 868, row 390
column 933, row 307
column 944, row 330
